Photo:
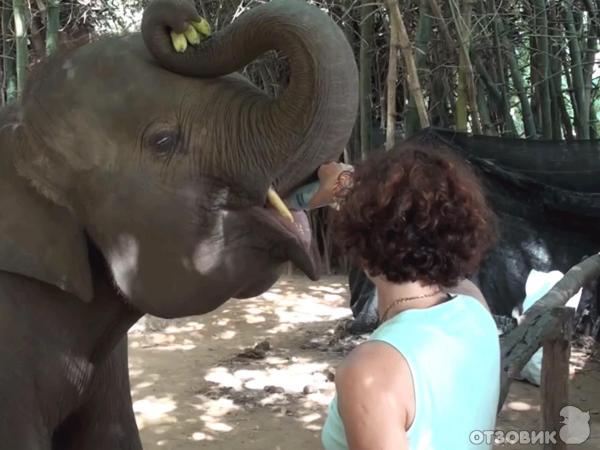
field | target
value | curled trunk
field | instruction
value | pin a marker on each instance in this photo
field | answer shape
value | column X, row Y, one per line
column 311, row 121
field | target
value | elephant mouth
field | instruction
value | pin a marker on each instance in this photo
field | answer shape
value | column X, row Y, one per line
column 291, row 239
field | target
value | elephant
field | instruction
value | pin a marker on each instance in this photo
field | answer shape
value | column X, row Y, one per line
column 134, row 177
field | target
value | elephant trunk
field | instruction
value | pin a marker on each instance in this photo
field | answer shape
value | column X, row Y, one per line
column 311, row 121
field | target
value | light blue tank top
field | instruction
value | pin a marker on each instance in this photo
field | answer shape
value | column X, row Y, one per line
column 453, row 352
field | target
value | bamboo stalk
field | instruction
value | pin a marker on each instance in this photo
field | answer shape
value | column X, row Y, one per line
column 461, row 115
column 392, row 81
column 21, row 44
column 411, row 69
column 541, row 21
column 52, row 26
column 422, row 37
column 517, row 78
column 501, row 70
column 486, row 120
column 499, row 96
column 555, row 79
column 437, row 13
column 365, row 72
column 589, row 58
column 594, row 123
column 467, row 92
column 582, row 108
column 8, row 52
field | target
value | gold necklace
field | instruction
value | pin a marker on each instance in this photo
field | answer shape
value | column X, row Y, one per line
column 406, row 299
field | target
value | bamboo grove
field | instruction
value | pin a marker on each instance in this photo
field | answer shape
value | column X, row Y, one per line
column 501, row 67
column 514, row 68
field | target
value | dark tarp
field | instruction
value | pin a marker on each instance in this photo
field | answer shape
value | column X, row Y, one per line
column 546, row 195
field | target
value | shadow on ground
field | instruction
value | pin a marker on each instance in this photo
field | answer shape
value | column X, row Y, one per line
column 257, row 374
column 203, row 382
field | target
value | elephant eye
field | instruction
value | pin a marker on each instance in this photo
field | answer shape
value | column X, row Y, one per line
column 164, row 143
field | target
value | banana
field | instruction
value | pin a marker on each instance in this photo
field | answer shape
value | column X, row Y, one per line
column 203, row 27
column 192, row 36
column 275, row 200
column 179, row 41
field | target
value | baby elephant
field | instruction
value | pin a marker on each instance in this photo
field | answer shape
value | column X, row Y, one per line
column 134, row 176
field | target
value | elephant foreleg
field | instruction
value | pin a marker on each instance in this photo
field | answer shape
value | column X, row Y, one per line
column 106, row 420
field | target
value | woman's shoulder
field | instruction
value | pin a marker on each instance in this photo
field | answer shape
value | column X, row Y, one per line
column 467, row 288
column 370, row 364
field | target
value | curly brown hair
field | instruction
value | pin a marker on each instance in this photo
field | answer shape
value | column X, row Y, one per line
column 417, row 213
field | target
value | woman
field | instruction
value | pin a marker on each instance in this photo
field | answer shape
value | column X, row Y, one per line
column 417, row 222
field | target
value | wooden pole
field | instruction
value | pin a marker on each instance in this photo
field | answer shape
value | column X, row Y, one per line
column 555, row 376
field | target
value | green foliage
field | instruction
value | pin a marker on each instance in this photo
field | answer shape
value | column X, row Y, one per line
column 555, row 72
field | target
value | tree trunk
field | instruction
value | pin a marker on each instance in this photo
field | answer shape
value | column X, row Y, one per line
column 365, row 73
column 422, row 37
column 52, row 26
column 409, row 60
column 21, row 44
column 8, row 52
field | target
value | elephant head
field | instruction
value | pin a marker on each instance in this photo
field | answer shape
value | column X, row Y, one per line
column 162, row 160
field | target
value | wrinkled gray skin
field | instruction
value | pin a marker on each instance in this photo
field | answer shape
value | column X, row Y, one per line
column 133, row 180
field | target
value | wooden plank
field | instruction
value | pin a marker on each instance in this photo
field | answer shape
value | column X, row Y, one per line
column 555, row 376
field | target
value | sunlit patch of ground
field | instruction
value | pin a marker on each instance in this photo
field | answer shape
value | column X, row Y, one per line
column 256, row 374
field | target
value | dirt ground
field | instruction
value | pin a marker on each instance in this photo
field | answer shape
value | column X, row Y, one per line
column 256, row 374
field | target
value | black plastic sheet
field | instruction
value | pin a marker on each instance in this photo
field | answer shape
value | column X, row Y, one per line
column 546, row 195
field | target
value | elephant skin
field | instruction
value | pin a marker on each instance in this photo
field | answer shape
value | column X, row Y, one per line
column 133, row 180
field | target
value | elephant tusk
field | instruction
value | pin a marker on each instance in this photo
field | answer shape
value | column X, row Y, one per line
column 275, row 200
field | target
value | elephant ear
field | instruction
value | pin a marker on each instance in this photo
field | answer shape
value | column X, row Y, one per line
column 38, row 238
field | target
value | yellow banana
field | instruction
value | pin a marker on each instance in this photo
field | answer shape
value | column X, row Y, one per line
column 179, row 41
column 192, row 35
column 203, row 27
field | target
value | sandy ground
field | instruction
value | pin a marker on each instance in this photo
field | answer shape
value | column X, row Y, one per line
column 256, row 374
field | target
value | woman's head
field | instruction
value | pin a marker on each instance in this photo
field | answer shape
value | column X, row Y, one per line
column 416, row 214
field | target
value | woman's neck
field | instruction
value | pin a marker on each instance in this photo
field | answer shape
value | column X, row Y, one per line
column 416, row 295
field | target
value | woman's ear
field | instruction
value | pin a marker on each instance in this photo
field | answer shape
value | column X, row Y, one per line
column 39, row 238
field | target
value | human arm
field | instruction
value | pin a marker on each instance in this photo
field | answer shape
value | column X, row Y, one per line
column 375, row 397
column 334, row 181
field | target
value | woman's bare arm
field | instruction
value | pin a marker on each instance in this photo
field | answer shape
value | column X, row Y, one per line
column 374, row 388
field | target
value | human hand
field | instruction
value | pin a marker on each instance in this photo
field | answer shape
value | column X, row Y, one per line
column 334, row 177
